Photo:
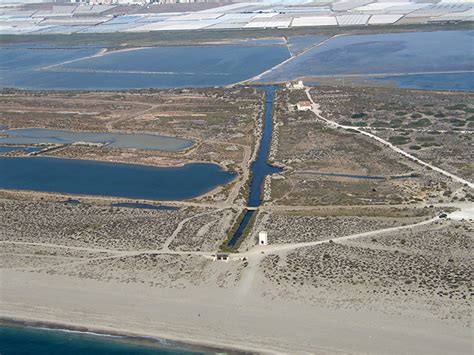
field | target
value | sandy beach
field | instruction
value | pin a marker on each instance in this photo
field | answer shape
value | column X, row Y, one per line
column 240, row 317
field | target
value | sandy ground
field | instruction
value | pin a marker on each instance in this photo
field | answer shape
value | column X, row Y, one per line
column 238, row 316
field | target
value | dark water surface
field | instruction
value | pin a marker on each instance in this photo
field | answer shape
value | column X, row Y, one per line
column 298, row 44
column 260, row 168
column 38, row 341
column 8, row 149
column 459, row 82
column 156, row 67
column 88, row 177
column 392, row 53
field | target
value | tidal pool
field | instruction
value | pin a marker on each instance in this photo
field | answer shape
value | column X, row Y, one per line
column 114, row 140
column 87, row 177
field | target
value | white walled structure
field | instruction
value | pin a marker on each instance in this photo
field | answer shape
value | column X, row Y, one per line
column 303, row 106
column 262, row 238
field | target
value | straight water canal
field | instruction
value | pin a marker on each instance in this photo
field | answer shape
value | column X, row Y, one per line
column 260, row 168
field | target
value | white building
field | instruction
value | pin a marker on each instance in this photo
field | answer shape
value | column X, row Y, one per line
column 262, row 238
column 298, row 85
column 303, row 106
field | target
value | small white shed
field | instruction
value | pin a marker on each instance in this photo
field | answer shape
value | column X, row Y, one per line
column 262, row 238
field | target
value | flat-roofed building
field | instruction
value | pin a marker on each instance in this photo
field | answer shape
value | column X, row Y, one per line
column 303, row 106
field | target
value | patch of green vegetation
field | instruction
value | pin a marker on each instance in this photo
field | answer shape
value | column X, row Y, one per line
column 456, row 107
column 431, row 144
column 360, row 124
column 457, row 123
column 401, row 113
column 226, row 248
column 470, row 119
column 163, row 120
column 359, row 115
column 416, row 115
column 230, row 233
column 396, row 123
column 215, row 118
column 440, row 115
column 424, row 122
column 424, row 139
column 469, row 109
column 399, row 140
column 415, row 147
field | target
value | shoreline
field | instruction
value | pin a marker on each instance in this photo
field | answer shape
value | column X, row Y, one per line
column 233, row 318
column 121, row 335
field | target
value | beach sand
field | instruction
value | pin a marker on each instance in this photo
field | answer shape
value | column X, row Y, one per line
column 238, row 315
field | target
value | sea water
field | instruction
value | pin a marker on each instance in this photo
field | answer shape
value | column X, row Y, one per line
column 18, row 340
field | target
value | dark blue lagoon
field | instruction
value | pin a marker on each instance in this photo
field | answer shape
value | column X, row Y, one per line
column 88, row 177
column 8, row 149
column 395, row 53
column 156, row 67
column 25, row 340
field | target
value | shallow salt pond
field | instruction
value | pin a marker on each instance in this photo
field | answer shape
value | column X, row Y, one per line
column 435, row 53
column 459, row 82
column 81, row 68
column 114, row 140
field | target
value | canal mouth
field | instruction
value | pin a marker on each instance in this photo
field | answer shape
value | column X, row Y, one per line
column 234, row 242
